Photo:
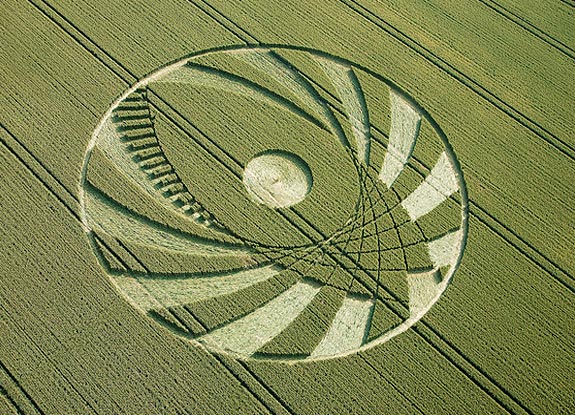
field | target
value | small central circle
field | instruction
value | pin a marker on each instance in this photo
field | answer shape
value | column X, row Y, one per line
column 277, row 179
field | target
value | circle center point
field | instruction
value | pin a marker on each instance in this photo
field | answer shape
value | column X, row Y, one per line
column 277, row 179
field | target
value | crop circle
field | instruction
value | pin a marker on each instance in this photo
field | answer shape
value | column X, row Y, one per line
column 274, row 203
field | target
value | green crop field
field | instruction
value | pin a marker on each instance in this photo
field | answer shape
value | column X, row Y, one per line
column 287, row 207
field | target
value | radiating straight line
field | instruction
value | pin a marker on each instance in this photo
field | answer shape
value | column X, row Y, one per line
column 405, row 122
column 348, row 327
column 251, row 332
column 187, row 290
column 349, row 89
column 444, row 250
column 423, row 289
column 434, row 190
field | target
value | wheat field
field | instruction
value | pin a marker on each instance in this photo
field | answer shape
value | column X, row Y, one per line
column 287, row 207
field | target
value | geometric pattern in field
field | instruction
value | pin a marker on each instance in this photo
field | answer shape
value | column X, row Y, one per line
column 358, row 258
